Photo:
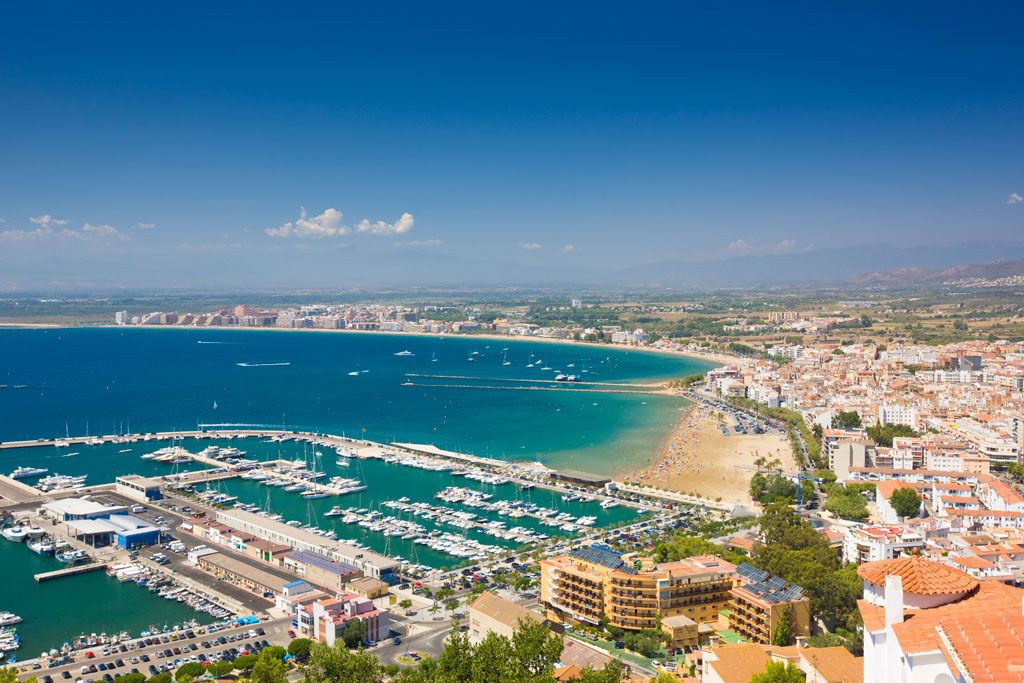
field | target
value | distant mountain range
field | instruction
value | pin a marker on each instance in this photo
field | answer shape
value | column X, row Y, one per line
column 992, row 273
column 853, row 267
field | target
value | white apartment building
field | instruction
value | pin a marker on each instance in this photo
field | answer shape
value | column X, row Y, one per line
column 898, row 414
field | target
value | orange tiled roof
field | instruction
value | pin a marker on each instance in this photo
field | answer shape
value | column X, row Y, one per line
column 972, row 562
column 920, row 576
column 919, row 633
column 991, row 648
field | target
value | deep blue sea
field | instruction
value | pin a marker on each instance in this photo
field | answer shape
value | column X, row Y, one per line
column 105, row 380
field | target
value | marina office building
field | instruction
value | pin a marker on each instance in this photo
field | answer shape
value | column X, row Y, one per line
column 101, row 525
column 370, row 563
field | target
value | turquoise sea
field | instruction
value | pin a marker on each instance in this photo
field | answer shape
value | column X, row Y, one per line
column 101, row 381
column 105, row 380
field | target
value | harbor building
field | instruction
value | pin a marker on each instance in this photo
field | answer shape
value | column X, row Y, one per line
column 325, row 620
column 67, row 509
column 320, row 570
column 138, row 488
column 492, row 613
column 760, row 602
column 370, row 563
column 590, row 584
column 240, row 573
column 100, row 525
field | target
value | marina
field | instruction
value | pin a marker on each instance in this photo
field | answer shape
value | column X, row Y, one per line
column 429, row 509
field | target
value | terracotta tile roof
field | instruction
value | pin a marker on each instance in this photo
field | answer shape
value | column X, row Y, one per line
column 918, row 633
column 972, row 562
column 990, row 648
column 834, row 664
column 889, row 486
column 739, row 662
column 920, row 576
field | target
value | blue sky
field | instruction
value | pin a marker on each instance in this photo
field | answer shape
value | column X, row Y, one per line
column 549, row 134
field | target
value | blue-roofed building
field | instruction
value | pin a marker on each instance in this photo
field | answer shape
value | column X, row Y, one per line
column 319, row 569
column 761, row 601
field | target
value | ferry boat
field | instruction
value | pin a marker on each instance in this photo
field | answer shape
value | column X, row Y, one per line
column 9, row 619
column 26, row 472
column 14, row 533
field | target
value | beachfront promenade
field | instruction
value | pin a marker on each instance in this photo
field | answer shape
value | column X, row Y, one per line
column 533, row 473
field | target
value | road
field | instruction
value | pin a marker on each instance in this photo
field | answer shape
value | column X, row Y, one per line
column 427, row 639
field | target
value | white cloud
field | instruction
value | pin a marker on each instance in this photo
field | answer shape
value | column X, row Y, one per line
column 420, row 244
column 530, row 246
column 144, row 226
column 567, row 248
column 95, row 233
column 330, row 224
column 400, row 227
column 46, row 221
column 1015, row 198
column 326, row 224
column 22, row 235
column 744, row 247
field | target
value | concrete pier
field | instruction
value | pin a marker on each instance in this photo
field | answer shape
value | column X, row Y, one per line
column 70, row 571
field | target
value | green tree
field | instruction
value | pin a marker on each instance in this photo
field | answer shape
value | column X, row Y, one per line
column 299, row 648
column 781, row 637
column 220, row 668
column 664, row 677
column 162, row 677
column 333, row 664
column 130, row 678
column 188, row 671
column 353, row 633
column 535, row 648
column 846, row 419
column 268, row 668
column 244, row 662
column 275, row 651
column 777, row 672
column 610, row 673
column 905, row 502
column 405, row 604
column 884, row 434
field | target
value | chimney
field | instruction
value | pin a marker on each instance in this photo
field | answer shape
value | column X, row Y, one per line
column 894, row 600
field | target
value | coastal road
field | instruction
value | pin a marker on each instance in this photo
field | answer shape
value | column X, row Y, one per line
column 276, row 633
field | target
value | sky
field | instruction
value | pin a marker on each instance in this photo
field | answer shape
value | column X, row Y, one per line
column 168, row 143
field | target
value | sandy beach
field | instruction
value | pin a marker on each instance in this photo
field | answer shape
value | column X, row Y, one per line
column 698, row 459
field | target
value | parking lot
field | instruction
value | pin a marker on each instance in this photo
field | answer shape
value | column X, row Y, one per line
column 164, row 652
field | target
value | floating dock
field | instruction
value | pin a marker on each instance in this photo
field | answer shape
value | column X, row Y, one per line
column 70, row 571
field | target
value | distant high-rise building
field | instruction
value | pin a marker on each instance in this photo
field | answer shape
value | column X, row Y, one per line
column 121, row 317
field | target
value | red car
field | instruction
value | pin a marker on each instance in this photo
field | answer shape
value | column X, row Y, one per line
column 291, row 633
column 90, row 654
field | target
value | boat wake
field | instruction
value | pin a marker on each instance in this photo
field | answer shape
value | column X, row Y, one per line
column 260, row 365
